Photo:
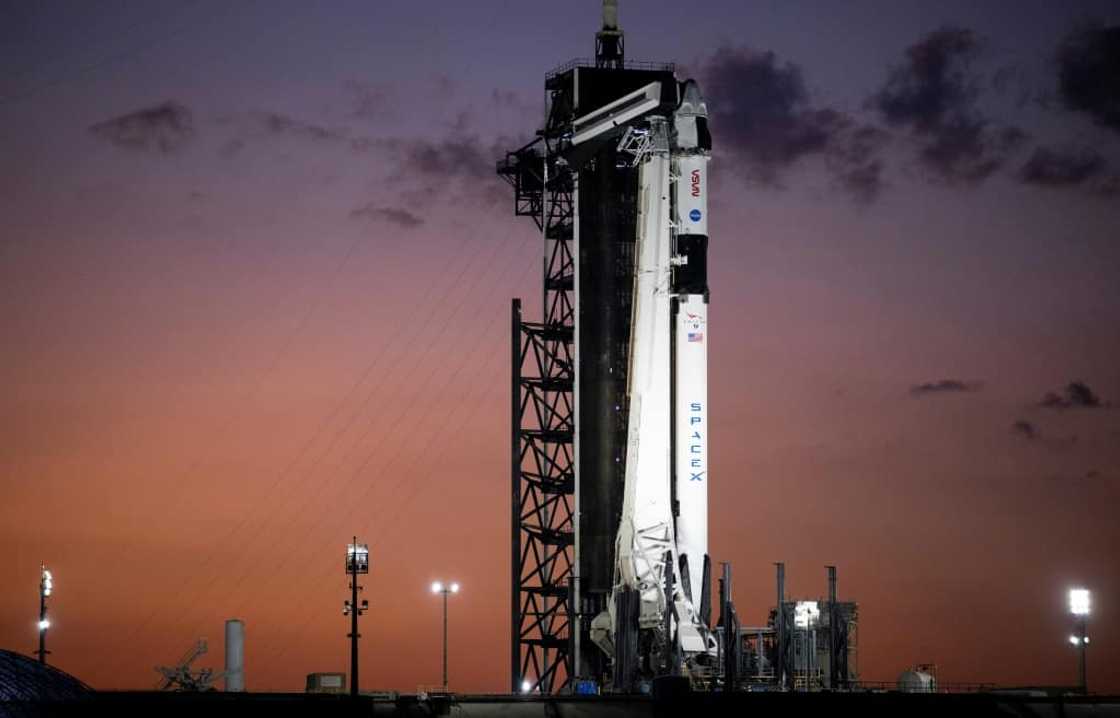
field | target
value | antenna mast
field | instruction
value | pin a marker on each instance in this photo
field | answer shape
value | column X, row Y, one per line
column 610, row 46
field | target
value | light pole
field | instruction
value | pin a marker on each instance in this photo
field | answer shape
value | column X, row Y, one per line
column 357, row 562
column 1079, row 607
column 447, row 590
column 46, row 586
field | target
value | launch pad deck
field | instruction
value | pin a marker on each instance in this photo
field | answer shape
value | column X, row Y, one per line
column 218, row 704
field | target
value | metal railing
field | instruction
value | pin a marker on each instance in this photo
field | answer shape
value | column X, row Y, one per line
column 884, row 686
column 627, row 65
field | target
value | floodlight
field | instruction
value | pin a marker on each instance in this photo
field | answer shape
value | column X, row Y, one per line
column 806, row 614
column 1074, row 640
column 446, row 590
column 357, row 558
column 525, row 686
column 1079, row 601
column 44, row 624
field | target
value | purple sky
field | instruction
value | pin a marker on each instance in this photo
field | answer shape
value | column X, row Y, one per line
column 255, row 275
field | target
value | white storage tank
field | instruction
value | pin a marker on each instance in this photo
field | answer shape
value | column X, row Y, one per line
column 235, row 655
column 916, row 681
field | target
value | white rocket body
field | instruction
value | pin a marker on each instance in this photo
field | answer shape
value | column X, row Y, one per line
column 646, row 531
column 664, row 521
column 691, row 363
column 692, row 194
column 692, row 150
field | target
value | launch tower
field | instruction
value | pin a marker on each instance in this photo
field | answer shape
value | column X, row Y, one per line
column 609, row 560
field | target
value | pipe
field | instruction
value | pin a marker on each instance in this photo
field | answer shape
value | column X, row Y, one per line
column 779, row 623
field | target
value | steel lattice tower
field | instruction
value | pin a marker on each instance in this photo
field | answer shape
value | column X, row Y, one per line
column 543, row 424
column 569, row 407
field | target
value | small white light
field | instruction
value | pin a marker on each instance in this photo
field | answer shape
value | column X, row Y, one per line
column 525, row 686
column 44, row 624
column 1073, row 640
column 806, row 614
column 437, row 587
column 454, row 588
column 47, row 591
column 1086, row 639
column 1079, row 601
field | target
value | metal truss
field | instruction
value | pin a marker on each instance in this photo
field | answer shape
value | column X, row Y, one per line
column 543, row 433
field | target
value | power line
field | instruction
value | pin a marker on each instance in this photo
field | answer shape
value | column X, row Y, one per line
column 532, row 268
column 266, row 506
column 330, row 505
column 185, row 487
column 272, row 573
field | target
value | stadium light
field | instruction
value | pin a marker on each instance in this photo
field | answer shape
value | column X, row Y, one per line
column 1079, row 601
column 439, row 587
column 1080, row 606
column 357, row 563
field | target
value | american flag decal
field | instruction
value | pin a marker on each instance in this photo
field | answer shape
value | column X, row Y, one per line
column 696, row 336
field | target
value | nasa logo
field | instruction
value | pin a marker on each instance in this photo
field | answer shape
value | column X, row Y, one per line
column 694, row 215
column 695, row 183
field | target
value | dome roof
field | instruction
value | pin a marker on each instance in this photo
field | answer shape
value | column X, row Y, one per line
column 22, row 678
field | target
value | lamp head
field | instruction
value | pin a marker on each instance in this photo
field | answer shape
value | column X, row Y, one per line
column 1079, row 601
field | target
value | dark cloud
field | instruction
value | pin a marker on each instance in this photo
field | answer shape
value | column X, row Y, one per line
column 969, row 150
column 854, row 160
column 1076, row 395
column 453, row 169
column 450, row 157
column 1050, row 167
column 393, row 215
column 760, row 110
column 1030, row 432
column 933, row 96
column 164, row 128
column 945, row 386
column 280, row 124
column 1019, row 84
column 261, row 127
column 934, row 85
column 1025, row 429
column 1089, row 74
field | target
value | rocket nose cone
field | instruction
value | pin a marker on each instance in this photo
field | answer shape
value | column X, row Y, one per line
column 692, row 102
